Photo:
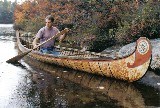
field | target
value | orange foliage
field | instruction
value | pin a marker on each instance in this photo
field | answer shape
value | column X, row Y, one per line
column 31, row 10
column 18, row 14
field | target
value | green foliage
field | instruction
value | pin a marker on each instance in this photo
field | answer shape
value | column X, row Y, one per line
column 32, row 26
column 136, row 20
column 6, row 12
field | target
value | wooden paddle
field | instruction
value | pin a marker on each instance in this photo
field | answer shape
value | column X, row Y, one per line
column 20, row 56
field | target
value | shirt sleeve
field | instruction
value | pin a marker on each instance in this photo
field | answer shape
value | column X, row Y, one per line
column 40, row 33
column 56, row 31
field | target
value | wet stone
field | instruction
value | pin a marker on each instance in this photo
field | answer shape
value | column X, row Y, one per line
column 155, row 61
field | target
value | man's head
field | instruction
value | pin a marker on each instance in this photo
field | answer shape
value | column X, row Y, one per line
column 49, row 21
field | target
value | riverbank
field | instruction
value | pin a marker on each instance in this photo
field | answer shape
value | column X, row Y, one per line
column 7, row 29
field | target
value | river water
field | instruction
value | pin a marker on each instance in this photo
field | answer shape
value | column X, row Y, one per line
column 32, row 84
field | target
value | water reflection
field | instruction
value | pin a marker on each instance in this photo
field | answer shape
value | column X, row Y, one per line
column 12, row 81
column 120, row 93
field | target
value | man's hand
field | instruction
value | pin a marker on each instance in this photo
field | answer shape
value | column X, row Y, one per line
column 62, row 37
column 35, row 46
column 35, row 43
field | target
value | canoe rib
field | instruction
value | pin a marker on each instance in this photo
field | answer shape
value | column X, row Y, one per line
column 130, row 68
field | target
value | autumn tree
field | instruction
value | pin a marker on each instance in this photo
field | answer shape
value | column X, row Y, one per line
column 95, row 23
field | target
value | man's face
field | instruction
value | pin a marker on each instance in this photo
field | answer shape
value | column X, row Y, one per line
column 48, row 23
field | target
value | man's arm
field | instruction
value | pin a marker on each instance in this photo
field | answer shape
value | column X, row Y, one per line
column 61, row 38
column 35, row 42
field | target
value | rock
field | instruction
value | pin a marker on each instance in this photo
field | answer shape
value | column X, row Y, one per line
column 155, row 62
column 126, row 50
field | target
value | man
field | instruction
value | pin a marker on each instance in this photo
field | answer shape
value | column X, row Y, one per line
column 45, row 33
